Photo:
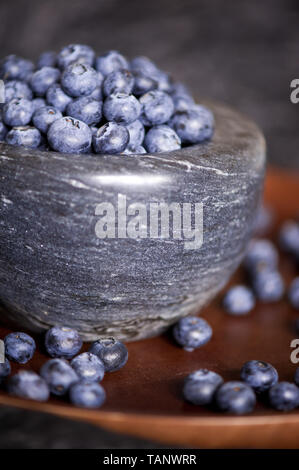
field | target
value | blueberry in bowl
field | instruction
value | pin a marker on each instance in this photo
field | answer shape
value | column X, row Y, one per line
column 120, row 225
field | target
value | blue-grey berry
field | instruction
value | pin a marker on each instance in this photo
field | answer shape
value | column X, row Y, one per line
column 112, row 138
column 69, row 135
column 25, row 136
column 62, row 341
column 28, row 384
column 111, row 352
column 59, row 375
column 19, row 347
column 192, row 332
column 88, row 367
column 161, row 139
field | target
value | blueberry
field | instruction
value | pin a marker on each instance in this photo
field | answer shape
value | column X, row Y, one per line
column 28, row 384
column 62, row 341
column 69, row 135
column 24, row 136
column 143, row 84
column 57, row 98
column 86, row 109
column 17, row 89
column 144, row 65
column 192, row 332
column 88, row 367
column 97, row 94
column 112, row 353
column 157, row 107
column 289, row 237
column 293, row 293
column 87, row 395
column 17, row 112
column 38, row 103
column 43, row 78
column 75, row 53
column 19, row 347
column 59, row 375
column 136, row 132
column 194, row 125
column 47, row 59
column 111, row 138
column 183, row 103
column 161, row 139
column 235, row 397
column 79, row 80
column 131, row 150
column 239, row 300
column 261, row 253
column 110, row 62
column 14, row 67
column 284, row 396
column 3, row 131
column 44, row 117
column 119, row 81
column 200, row 386
column 121, row 108
column 5, row 369
column 268, row 285
column 259, row 375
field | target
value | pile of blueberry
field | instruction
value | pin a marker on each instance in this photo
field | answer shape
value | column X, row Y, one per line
column 67, row 373
column 258, row 378
column 77, row 102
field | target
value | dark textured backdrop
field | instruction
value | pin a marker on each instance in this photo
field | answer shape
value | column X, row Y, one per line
column 242, row 52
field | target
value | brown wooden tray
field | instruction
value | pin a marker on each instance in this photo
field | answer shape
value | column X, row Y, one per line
column 144, row 399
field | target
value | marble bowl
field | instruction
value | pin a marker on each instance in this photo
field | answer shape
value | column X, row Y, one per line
column 55, row 268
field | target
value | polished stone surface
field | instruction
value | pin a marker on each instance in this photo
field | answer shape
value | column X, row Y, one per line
column 55, row 270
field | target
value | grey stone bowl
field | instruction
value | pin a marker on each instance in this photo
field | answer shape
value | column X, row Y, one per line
column 55, row 268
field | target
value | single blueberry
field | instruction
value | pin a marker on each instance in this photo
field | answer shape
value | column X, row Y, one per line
column 121, row 108
column 260, row 253
column 17, row 112
column 47, row 59
column 38, row 103
column 156, row 107
column 111, row 352
column 62, row 341
column 57, row 98
column 14, row 67
column 194, row 125
column 59, row 375
column 28, row 384
column 289, row 237
column 86, row 109
column 111, row 138
column 19, row 347
column 200, row 386
column 284, row 396
column 143, row 84
column 5, row 369
column 75, row 53
column 43, row 78
column 69, row 135
column 239, row 300
column 161, row 139
column 87, row 395
column 17, row 89
column 136, row 132
column 235, row 397
column 192, row 332
column 164, row 81
column 79, row 80
column 144, row 65
column 119, row 81
column 268, row 285
column 293, row 293
column 110, row 62
column 24, row 136
column 182, row 103
column 44, row 117
column 3, row 131
column 88, row 367
column 259, row 375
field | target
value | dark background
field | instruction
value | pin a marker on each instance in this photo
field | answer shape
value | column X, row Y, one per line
column 241, row 52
